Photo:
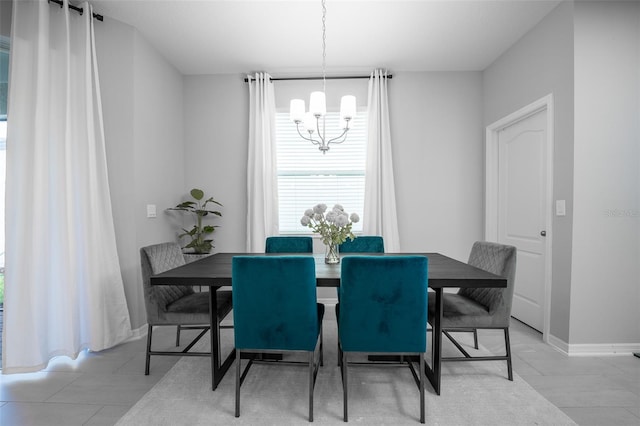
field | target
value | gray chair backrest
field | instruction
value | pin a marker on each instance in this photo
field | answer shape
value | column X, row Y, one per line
column 156, row 259
column 498, row 259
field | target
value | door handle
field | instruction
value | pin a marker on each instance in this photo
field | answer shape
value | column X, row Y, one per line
column 543, row 233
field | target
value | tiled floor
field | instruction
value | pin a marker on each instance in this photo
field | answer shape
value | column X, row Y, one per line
column 101, row 387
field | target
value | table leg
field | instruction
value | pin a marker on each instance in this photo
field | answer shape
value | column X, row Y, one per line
column 434, row 373
column 218, row 370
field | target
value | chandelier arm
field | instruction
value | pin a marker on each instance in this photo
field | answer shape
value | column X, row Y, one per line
column 321, row 134
column 336, row 139
column 313, row 141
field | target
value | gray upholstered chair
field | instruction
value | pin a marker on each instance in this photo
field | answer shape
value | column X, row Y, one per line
column 481, row 308
column 175, row 305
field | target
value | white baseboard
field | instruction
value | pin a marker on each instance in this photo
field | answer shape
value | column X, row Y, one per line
column 593, row 349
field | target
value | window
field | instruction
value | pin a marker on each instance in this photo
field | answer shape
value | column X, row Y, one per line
column 307, row 177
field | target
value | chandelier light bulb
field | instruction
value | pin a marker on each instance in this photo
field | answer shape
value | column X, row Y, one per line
column 309, row 122
column 347, row 107
column 296, row 110
column 317, row 104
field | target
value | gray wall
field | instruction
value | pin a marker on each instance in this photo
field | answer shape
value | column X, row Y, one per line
column 436, row 130
column 606, row 218
column 588, row 55
column 216, row 114
column 539, row 64
column 143, row 115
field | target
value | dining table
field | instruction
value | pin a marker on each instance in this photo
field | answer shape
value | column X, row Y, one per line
column 214, row 272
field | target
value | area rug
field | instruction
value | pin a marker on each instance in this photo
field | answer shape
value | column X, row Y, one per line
column 473, row 393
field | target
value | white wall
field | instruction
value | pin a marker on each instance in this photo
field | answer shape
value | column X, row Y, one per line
column 142, row 107
column 606, row 273
column 538, row 64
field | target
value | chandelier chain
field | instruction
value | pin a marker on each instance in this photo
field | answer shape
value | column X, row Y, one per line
column 324, row 46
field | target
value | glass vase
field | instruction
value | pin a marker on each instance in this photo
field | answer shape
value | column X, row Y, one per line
column 332, row 255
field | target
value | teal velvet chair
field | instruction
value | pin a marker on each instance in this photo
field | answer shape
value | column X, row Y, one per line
column 383, row 310
column 289, row 245
column 175, row 305
column 481, row 308
column 275, row 310
column 363, row 244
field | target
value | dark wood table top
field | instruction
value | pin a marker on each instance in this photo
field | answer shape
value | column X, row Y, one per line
column 215, row 271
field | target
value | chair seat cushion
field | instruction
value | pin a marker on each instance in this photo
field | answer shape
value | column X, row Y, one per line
column 194, row 308
column 460, row 311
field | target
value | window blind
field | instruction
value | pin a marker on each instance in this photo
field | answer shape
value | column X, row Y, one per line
column 306, row 177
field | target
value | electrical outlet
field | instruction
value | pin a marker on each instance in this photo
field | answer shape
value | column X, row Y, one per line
column 151, row 210
column 561, row 208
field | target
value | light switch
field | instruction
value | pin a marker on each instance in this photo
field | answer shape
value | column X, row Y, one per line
column 151, row 210
column 561, row 208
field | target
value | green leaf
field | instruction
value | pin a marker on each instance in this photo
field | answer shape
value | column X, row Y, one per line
column 197, row 194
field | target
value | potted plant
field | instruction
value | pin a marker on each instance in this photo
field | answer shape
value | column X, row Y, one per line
column 199, row 243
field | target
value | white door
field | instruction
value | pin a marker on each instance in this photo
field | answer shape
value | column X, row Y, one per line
column 522, row 210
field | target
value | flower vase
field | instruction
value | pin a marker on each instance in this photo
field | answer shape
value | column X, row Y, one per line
column 332, row 254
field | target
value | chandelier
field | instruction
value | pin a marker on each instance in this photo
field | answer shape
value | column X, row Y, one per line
column 310, row 120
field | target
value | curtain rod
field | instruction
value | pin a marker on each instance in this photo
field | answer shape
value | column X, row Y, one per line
column 76, row 8
column 320, row 78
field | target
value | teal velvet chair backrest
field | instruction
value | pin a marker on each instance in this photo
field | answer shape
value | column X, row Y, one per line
column 383, row 304
column 274, row 302
column 363, row 244
column 289, row 245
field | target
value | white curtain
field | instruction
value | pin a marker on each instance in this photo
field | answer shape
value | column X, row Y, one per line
column 63, row 287
column 262, row 180
column 379, row 215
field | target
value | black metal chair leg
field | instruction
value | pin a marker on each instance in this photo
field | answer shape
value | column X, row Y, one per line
column 238, row 359
column 311, row 369
column 148, row 357
column 345, row 386
column 508, row 348
column 321, row 349
column 475, row 338
column 422, row 379
column 178, row 336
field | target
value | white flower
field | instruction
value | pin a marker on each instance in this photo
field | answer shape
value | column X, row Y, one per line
column 334, row 225
column 320, row 208
column 342, row 220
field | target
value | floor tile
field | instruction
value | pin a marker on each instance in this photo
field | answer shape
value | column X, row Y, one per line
column 46, row 414
column 34, row 387
column 106, row 389
column 557, row 364
column 598, row 416
column 107, row 415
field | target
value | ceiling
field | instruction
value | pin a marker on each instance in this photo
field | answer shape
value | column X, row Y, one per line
column 284, row 37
